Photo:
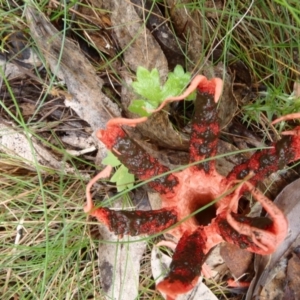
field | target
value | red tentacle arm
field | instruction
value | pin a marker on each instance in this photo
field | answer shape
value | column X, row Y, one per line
column 188, row 259
column 205, row 131
column 137, row 160
column 287, row 118
column 266, row 234
column 136, row 222
column 267, row 161
column 129, row 222
column 186, row 264
column 88, row 208
column 261, row 235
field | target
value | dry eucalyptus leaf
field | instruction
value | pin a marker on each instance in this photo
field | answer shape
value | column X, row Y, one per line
column 266, row 267
column 67, row 62
column 236, row 259
column 283, row 280
column 28, row 148
column 189, row 23
column 119, row 265
column 293, row 274
column 158, row 25
column 139, row 46
column 160, row 264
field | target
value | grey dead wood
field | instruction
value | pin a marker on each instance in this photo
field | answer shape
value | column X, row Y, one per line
column 69, row 64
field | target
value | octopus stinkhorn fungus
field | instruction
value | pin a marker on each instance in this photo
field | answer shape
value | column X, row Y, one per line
column 184, row 192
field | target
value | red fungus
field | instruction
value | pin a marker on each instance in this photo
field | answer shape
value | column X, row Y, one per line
column 184, row 192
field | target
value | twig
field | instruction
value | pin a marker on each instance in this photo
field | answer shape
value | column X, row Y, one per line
column 17, row 241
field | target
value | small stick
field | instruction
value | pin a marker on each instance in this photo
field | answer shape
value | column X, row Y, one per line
column 19, row 235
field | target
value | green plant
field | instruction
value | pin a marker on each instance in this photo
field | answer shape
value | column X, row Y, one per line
column 148, row 86
column 122, row 177
column 273, row 104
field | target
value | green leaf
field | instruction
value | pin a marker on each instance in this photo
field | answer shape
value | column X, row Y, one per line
column 176, row 82
column 111, row 160
column 141, row 107
column 123, row 179
column 148, row 85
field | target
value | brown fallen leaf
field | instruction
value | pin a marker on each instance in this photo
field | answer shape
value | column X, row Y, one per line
column 27, row 109
column 293, row 275
column 189, row 24
column 236, row 259
column 138, row 46
column 171, row 45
